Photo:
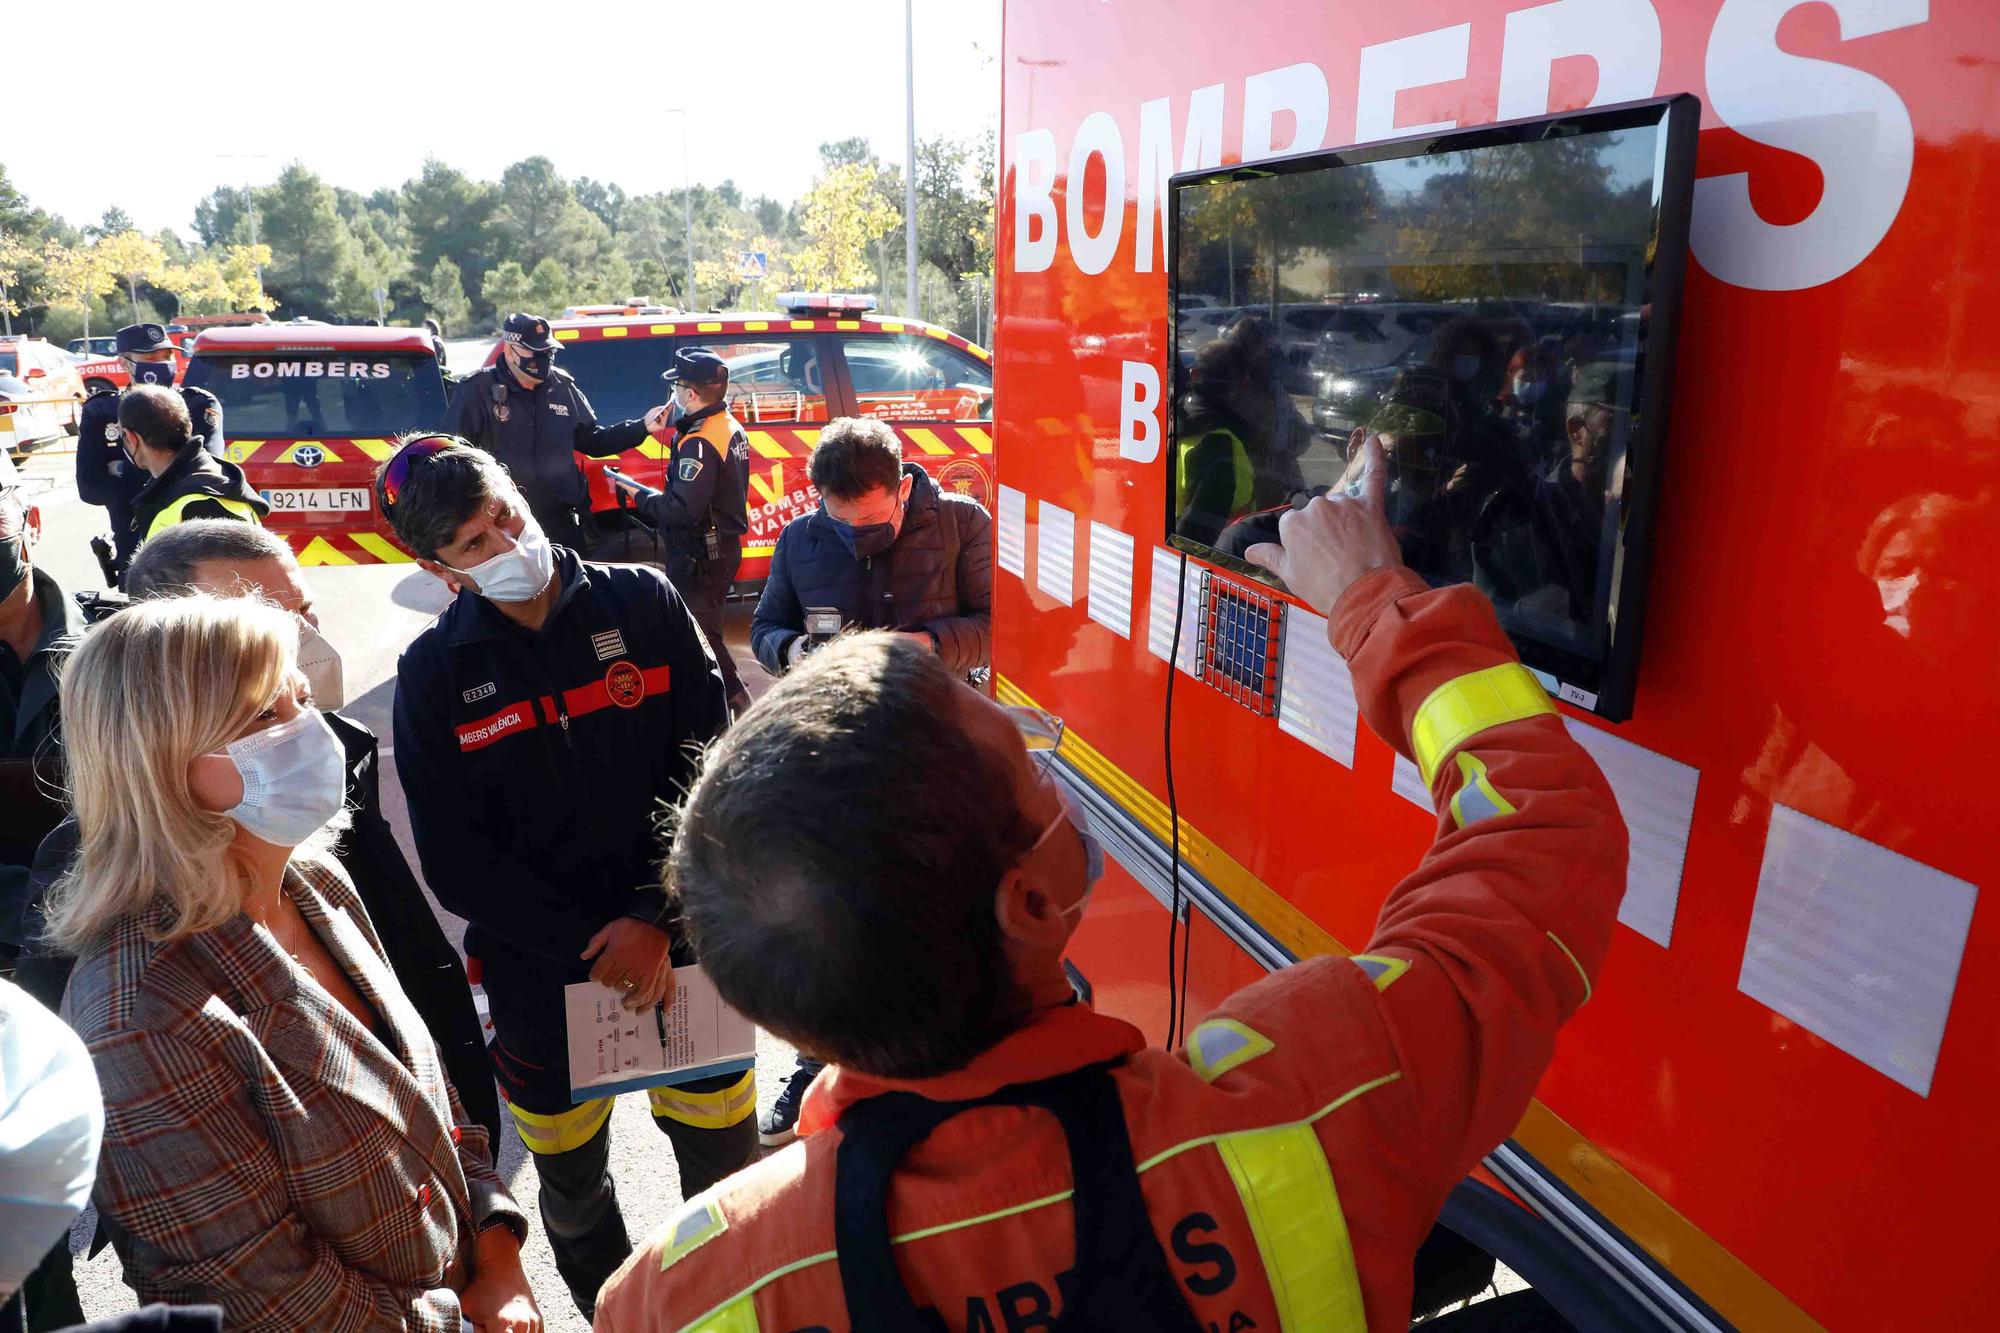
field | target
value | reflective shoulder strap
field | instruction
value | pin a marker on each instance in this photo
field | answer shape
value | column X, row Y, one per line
column 1287, row 1189
column 739, row 1316
column 176, row 507
column 1461, row 708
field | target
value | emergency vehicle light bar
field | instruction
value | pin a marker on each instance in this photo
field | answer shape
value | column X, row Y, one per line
column 824, row 303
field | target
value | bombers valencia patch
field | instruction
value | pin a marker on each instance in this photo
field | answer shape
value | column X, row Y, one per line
column 688, row 469
column 625, row 685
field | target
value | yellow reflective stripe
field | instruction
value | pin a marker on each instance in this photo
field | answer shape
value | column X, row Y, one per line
column 563, row 1131
column 172, row 513
column 765, row 445
column 567, row 335
column 1287, row 1190
column 981, row 442
column 1381, row 969
column 707, row 1110
column 1476, row 797
column 1222, row 1044
column 613, row 331
column 1573, row 963
column 739, row 1316
column 375, row 544
column 699, row 1221
column 743, row 1296
column 376, row 449
column 802, row 323
column 890, row 325
column 750, row 552
column 847, row 323
column 708, row 326
column 927, row 440
column 1460, row 709
column 756, row 325
column 320, row 551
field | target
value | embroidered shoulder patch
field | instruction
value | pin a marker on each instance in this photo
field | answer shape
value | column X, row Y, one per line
column 688, row 469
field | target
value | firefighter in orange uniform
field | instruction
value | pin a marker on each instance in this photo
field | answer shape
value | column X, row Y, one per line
column 986, row 1153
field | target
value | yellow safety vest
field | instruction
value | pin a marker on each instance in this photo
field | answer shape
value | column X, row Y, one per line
column 171, row 515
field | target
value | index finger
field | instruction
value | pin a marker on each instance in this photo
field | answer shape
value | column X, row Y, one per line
column 1374, row 473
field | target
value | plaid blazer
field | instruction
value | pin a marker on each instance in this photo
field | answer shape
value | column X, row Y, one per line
column 262, row 1149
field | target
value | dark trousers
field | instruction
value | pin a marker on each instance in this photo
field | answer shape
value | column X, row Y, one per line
column 579, row 1201
column 704, row 586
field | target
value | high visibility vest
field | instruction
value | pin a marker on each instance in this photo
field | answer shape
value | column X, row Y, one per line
column 171, row 514
column 1121, row 1277
column 1244, row 474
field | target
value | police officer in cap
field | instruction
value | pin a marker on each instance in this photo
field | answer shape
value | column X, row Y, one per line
column 104, row 475
column 534, row 419
column 704, row 514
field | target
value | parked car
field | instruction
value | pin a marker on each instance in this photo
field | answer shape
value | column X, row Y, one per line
column 91, row 348
column 52, row 390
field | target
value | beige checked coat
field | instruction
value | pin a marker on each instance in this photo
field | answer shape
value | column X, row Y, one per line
column 262, row 1149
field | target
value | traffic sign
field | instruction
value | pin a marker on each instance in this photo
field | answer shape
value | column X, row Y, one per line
column 752, row 265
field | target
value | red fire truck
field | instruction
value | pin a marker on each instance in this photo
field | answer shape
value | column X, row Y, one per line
column 821, row 355
column 1769, row 1114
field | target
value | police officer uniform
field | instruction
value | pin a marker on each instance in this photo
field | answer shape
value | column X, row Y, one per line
column 704, row 513
column 535, row 763
column 537, row 430
column 104, row 476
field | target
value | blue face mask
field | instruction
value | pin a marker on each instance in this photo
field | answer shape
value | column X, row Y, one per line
column 866, row 539
column 152, row 372
column 1093, row 850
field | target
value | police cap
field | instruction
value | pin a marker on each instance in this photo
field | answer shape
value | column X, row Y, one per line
column 696, row 365
column 136, row 338
column 529, row 332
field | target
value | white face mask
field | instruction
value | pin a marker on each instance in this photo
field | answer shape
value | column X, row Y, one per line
column 517, row 575
column 319, row 663
column 294, row 779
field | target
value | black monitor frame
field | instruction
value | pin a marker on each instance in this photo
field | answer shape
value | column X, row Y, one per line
column 1679, row 119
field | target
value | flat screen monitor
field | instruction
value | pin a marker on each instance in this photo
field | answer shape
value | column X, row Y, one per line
column 1498, row 306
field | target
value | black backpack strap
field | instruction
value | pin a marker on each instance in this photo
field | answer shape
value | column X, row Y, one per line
column 1121, row 1278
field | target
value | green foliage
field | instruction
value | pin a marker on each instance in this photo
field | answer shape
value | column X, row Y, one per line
column 532, row 239
column 506, row 289
column 444, row 296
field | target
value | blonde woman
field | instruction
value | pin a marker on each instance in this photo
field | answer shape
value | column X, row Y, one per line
column 279, row 1136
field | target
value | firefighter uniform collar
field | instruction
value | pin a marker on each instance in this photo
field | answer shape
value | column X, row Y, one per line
column 474, row 619
column 1056, row 1041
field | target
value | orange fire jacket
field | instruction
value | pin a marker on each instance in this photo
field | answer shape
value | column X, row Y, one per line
column 1295, row 1154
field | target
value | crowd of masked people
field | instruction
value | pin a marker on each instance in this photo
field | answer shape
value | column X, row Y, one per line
column 270, row 1078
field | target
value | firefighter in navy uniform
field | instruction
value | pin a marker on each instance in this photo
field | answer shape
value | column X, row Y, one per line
column 540, row 723
column 104, row 475
column 704, row 513
column 533, row 418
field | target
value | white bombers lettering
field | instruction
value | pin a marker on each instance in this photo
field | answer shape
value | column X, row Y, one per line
column 1850, row 124
column 1139, row 412
column 285, row 370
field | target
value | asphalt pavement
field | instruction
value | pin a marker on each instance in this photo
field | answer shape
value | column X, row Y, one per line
column 370, row 613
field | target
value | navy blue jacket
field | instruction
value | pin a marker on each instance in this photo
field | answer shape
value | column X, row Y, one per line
column 938, row 577
column 535, row 762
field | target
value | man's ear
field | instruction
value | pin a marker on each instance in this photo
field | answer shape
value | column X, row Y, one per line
column 444, row 574
column 904, row 487
column 1026, row 915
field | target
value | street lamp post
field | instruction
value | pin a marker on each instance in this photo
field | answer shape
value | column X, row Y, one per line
column 910, row 160
column 249, row 199
column 687, row 201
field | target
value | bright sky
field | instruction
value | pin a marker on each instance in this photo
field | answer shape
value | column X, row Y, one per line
column 362, row 92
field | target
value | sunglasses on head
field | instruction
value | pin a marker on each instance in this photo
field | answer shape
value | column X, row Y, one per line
column 397, row 474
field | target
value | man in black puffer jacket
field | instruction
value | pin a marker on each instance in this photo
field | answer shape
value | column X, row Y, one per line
column 886, row 550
